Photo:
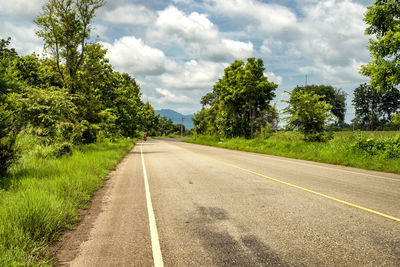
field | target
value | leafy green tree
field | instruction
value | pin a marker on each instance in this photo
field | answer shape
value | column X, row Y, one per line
column 5, row 51
column 335, row 97
column 166, row 126
column 65, row 28
column 7, row 132
column 374, row 108
column 308, row 114
column 26, row 69
column 258, row 91
column 269, row 117
column 49, row 113
column 127, row 105
column 383, row 19
column 238, row 99
column 204, row 121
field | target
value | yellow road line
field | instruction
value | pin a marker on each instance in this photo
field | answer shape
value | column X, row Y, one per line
column 298, row 187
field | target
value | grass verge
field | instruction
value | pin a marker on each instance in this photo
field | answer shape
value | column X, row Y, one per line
column 42, row 197
column 340, row 150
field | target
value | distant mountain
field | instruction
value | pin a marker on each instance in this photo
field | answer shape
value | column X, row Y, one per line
column 176, row 117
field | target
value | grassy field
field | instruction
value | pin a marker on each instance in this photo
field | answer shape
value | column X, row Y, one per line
column 368, row 150
column 43, row 194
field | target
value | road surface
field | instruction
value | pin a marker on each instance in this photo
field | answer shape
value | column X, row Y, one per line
column 177, row 204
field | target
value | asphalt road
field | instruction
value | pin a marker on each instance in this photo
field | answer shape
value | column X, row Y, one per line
column 218, row 207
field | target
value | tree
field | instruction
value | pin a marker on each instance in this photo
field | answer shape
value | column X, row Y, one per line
column 308, row 114
column 375, row 108
column 237, row 101
column 335, row 97
column 258, row 90
column 166, row 126
column 49, row 113
column 65, row 29
column 7, row 132
column 383, row 19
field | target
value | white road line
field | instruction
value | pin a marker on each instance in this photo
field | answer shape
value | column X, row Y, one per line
column 155, row 243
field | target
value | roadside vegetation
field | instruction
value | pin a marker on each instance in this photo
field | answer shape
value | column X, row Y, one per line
column 368, row 150
column 66, row 119
column 42, row 195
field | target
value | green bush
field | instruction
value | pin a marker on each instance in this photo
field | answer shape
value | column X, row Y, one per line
column 7, row 140
column 387, row 147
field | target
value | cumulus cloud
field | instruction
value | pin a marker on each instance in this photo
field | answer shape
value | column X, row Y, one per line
column 328, row 35
column 273, row 77
column 21, row 8
column 132, row 55
column 259, row 17
column 194, row 75
column 129, row 14
column 197, row 35
column 23, row 38
column 164, row 96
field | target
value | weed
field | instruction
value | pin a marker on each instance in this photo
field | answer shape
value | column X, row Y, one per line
column 43, row 194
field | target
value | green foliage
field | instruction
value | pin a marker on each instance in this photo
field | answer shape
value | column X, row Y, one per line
column 332, row 96
column 266, row 131
column 49, row 113
column 386, row 147
column 374, row 108
column 383, row 20
column 7, row 151
column 308, row 114
column 341, row 149
column 238, row 101
column 65, row 29
column 43, row 197
column 7, row 133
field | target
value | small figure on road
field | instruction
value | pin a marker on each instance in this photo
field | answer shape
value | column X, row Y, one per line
column 145, row 137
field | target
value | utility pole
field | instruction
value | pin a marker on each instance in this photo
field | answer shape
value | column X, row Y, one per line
column 306, row 80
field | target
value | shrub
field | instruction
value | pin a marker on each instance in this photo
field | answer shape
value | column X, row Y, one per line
column 7, row 140
column 387, row 147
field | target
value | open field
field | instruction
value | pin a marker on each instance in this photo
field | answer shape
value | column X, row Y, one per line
column 43, row 195
column 367, row 150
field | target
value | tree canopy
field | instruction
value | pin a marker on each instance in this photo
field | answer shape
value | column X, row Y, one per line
column 237, row 101
column 383, row 19
column 332, row 96
column 374, row 109
column 308, row 113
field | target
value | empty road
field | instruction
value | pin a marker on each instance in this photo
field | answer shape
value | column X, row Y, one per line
column 177, row 204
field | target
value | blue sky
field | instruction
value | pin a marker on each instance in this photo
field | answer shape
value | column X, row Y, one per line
column 178, row 49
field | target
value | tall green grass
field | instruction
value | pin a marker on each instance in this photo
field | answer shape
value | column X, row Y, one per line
column 340, row 150
column 42, row 196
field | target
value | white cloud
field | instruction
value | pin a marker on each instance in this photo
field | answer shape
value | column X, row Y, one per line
column 260, row 17
column 193, row 28
column 194, row 75
column 23, row 38
column 273, row 77
column 336, row 75
column 21, row 8
column 164, row 96
column 129, row 14
column 333, row 33
column 265, row 48
column 197, row 35
column 132, row 55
